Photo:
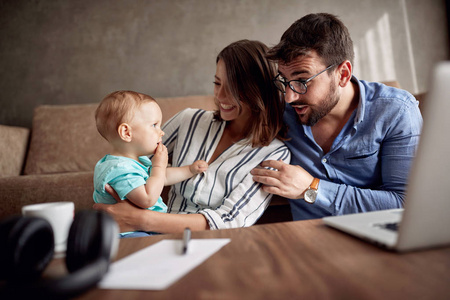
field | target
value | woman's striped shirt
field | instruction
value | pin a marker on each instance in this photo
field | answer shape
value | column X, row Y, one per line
column 225, row 194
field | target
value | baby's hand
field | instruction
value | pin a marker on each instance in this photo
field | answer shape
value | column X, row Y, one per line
column 198, row 166
column 160, row 158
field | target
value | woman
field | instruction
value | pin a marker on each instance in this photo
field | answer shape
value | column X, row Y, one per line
column 233, row 140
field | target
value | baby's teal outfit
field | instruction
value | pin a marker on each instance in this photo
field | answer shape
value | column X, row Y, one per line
column 124, row 175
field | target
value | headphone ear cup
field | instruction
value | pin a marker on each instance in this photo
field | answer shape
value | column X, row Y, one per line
column 91, row 238
column 82, row 242
column 28, row 247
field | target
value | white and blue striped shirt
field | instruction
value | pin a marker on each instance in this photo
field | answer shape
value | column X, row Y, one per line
column 225, row 194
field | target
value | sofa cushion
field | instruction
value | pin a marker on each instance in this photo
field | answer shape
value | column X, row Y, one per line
column 170, row 106
column 64, row 138
column 13, row 147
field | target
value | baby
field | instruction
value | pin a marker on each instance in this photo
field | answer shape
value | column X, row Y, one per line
column 131, row 123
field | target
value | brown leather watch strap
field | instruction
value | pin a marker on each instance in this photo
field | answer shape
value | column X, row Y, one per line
column 315, row 184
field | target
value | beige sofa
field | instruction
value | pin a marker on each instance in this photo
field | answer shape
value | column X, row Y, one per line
column 54, row 161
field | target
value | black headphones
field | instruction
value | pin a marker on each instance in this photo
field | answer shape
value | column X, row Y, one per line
column 27, row 247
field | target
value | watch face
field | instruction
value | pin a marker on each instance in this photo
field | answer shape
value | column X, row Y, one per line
column 310, row 195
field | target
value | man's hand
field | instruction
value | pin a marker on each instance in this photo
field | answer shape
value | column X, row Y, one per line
column 198, row 166
column 287, row 180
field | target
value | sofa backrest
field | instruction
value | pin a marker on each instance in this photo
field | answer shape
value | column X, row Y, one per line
column 64, row 138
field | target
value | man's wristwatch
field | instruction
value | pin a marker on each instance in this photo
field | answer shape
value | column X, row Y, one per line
column 311, row 192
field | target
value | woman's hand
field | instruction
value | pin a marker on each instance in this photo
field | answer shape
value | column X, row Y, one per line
column 131, row 218
column 126, row 214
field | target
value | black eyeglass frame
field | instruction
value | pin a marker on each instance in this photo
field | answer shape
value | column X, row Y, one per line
column 302, row 81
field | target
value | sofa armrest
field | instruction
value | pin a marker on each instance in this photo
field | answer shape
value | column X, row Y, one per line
column 18, row 191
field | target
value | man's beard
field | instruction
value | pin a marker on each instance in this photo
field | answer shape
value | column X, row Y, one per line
column 323, row 108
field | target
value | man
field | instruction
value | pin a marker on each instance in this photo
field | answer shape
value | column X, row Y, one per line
column 352, row 141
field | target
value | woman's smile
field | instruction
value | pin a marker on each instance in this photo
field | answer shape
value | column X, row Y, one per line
column 226, row 107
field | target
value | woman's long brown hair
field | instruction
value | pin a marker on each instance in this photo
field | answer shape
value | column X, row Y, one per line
column 249, row 76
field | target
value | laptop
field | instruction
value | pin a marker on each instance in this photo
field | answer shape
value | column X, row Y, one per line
column 424, row 222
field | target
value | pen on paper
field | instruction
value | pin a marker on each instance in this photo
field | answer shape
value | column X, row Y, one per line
column 186, row 239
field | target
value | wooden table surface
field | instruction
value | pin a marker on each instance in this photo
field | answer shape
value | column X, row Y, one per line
column 298, row 260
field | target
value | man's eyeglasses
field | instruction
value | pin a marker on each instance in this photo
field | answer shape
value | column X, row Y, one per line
column 298, row 86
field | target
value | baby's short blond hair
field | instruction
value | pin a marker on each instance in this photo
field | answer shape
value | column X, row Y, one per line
column 117, row 108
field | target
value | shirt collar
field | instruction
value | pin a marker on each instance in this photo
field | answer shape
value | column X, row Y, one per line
column 361, row 103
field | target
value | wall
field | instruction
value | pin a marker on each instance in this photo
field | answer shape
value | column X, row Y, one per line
column 64, row 52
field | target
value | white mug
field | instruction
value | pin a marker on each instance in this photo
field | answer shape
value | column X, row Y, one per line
column 59, row 214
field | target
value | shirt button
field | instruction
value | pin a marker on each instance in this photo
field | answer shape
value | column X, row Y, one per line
column 324, row 160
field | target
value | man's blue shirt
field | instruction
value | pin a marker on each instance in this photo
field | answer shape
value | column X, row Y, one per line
column 367, row 166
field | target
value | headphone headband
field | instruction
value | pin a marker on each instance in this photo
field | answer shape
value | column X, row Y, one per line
column 93, row 239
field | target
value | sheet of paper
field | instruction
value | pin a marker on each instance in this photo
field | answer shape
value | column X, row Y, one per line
column 158, row 266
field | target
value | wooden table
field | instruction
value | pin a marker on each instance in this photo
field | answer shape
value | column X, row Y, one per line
column 298, row 260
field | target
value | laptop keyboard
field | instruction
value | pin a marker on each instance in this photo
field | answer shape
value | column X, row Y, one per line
column 390, row 226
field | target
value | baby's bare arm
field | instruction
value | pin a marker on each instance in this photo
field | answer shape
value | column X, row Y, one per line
column 178, row 174
column 146, row 195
